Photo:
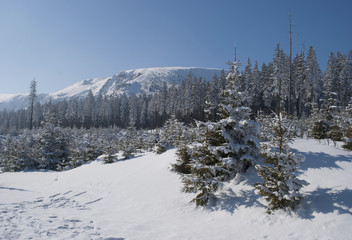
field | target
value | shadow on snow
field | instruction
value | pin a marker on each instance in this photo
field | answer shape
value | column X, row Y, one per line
column 326, row 200
column 322, row 200
column 230, row 200
column 322, row 160
column 14, row 189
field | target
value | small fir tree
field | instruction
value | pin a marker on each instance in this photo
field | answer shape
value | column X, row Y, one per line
column 12, row 156
column 206, row 167
column 52, row 146
column 225, row 147
column 110, row 157
column 280, row 186
column 237, row 128
column 182, row 165
column 128, row 142
column 170, row 135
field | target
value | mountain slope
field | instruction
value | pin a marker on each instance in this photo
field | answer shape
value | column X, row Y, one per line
column 146, row 80
column 141, row 199
column 17, row 101
column 134, row 81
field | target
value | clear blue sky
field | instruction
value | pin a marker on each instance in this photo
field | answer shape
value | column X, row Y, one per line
column 64, row 41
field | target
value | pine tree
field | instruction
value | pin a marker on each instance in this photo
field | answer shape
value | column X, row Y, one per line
column 280, row 79
column 128, row 142
column 203, row 168
column 239, row 131
column 172, row 132
column 280, row 186
column 225, row 147
column 268, row 90
column 182, row 165
column 313, row 84
column 257, row 90
column 110, row 154
column 52, row 146
column 12, row 156
column 331, row 81
column 344, row 79
column 347, row 129
column 32, row 99
column 299, row 78
column 321, row 121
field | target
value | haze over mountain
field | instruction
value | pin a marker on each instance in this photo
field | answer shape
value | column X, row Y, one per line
column 147, row 80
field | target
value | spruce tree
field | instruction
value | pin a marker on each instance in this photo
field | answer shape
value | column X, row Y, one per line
column 12, row 156
column 182, row 165
column 171, row 134
column 110, row 154
column 347, row 126
column 205, row 167
column 32, row 99
column 237, row 128
column 280, row 186
column 313, row 84
column 52, row 146
column 225, row 147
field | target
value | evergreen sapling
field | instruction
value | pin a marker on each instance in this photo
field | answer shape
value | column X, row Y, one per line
column 280, row 186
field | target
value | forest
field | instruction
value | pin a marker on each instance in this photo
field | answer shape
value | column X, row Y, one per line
column 295, row 88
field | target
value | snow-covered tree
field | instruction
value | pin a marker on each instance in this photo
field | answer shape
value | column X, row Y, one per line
column 269, row 88
column 51, row 149
column 182, row 165
column 172, row 133
column 12, row 156
column 110, row 154
column 331, row 82
column 344, row 79
column 299, row 83
column 280, row 77
column 347, row 126
column 225, row 147
column 202, row 166
column 257, row 90
column 313, row 83
column 32, row 99
column 128, row 142
column 280, row 186
column 237, row 128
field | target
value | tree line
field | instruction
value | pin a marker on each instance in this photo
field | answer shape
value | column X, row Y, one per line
column 270, row 89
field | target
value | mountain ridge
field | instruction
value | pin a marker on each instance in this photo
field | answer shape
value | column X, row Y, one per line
column 129, row 82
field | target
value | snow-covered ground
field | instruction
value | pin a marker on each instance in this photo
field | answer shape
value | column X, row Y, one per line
column 141, row 199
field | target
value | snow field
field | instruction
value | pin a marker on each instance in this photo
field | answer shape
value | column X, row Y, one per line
column 140, row 199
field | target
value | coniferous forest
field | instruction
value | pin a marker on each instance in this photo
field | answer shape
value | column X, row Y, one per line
column 240, row 119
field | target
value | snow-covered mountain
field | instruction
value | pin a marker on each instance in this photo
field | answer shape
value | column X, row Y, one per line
column 135, row 81
column 17, row 101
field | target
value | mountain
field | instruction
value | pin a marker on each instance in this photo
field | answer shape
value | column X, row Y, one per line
column 17, row 101
column 130, row 82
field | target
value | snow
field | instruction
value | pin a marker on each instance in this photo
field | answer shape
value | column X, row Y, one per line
column 140, row 198
column 80, row 89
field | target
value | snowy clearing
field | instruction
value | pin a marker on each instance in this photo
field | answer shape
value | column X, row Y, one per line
column 140, row 199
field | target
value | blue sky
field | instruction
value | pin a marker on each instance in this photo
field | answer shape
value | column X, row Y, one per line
column 64, row 41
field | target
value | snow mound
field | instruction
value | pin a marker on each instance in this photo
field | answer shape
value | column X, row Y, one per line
column 140, row 198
